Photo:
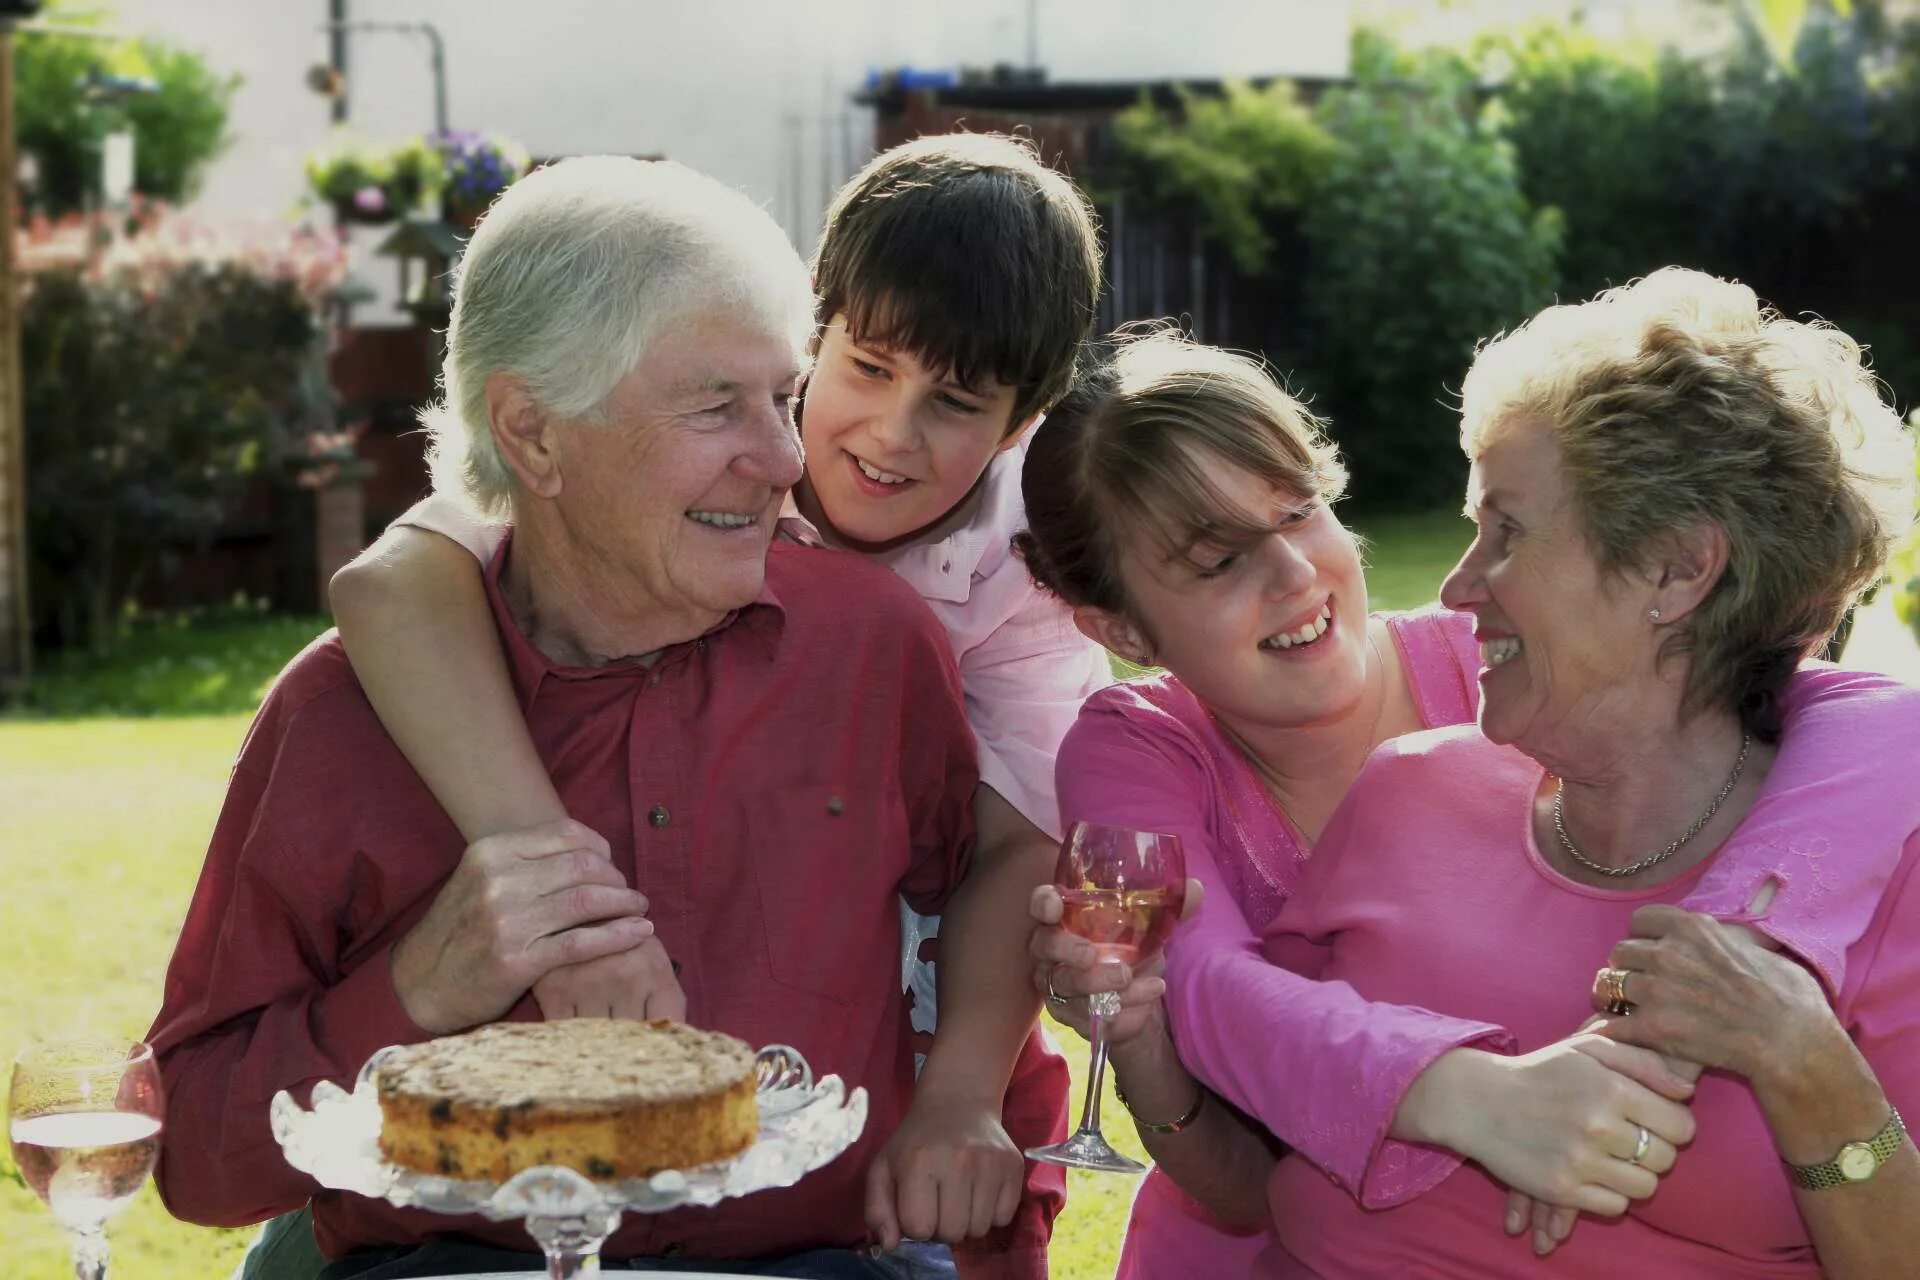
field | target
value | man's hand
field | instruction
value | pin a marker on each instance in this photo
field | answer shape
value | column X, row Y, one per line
column 639, row 983
column 517, row 906
column 949, row 1172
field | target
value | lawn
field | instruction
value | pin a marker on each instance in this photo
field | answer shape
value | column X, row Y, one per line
column 109, row 787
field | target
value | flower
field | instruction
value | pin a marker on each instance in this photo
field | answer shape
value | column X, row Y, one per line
column 370, row 199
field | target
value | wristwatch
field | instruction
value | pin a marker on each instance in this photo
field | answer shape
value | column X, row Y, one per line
column 1856, row 1162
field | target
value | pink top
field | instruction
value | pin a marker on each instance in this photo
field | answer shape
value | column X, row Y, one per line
column 1147, row 754
column 1323, row 1068
column 1381, row 912
column 1024, row 666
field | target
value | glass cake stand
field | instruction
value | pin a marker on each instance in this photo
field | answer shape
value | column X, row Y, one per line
column 804, row 1123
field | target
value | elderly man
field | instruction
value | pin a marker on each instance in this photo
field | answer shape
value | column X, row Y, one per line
column 772, row 742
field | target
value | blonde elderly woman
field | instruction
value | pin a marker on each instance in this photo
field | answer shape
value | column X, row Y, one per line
column 1677, row 493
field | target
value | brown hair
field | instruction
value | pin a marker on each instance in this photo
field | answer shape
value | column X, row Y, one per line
column 1120, row 451
column 967, row 251
column 1679, row 399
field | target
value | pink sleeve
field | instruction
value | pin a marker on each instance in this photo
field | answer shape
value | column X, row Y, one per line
column 1323, row 1069
column 1827, row 829
column 454, row 519
column 1024, row 685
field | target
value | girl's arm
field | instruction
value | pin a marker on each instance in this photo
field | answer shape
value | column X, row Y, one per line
column 413, row 615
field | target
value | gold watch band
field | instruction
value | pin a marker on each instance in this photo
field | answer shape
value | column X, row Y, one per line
column 1856, row 1162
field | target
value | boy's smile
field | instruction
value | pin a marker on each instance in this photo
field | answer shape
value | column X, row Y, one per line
column 893, row 446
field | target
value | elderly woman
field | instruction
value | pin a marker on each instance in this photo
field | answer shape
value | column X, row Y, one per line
column 1179, row 501
column 1677, row 494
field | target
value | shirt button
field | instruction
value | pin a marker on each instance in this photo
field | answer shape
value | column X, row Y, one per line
column 659, row 816
column 836, row 806
column 654, row 679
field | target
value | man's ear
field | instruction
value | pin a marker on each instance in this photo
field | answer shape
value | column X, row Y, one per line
column 522, row 432
column 1687, row 570
column 1115, row 634
column 1018, row 433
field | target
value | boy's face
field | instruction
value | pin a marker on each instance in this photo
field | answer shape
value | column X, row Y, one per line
column 893, row 446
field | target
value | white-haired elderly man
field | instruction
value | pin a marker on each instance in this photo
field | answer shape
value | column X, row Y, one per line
column 771, row 741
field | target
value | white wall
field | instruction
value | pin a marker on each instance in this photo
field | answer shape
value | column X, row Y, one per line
column 709, row 84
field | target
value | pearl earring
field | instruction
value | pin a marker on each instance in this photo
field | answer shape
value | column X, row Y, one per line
column 1654, row 614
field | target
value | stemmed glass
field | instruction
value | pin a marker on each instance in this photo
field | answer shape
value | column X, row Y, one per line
column 1122, row 891
column 84, row 1120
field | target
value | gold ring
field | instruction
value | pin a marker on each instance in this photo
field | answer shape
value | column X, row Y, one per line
column 1613, row 990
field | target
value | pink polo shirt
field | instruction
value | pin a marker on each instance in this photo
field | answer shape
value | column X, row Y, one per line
column 1427, row 889
column 1324, row 1068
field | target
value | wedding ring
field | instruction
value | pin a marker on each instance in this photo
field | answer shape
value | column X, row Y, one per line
column 1054, row 997
column 1612, row 984
column 1640, row 1147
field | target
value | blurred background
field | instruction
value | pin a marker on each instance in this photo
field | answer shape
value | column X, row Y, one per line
column 232, row 221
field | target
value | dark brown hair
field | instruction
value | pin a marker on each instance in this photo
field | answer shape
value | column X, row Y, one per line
column 969, row 253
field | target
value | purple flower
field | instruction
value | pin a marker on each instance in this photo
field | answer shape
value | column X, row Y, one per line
column 370, row 199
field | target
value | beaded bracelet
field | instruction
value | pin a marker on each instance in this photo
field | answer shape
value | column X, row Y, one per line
column 1171, row 1126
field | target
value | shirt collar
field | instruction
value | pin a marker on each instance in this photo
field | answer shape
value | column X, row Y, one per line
column 759, row 624
column 946, row 570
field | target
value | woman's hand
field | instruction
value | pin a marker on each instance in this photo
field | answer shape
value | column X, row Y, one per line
column 1562, row 1124
column 1068, row 967
column 1714, row 994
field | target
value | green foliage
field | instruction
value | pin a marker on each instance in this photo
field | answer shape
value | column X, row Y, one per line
column 1418, row 240
column 370, row 181
column 1905, row 569
column 1422, row 243
column 1237, row 161
column 157, row 379
column 178, row 129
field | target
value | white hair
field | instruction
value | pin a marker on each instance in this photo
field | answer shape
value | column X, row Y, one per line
column 567, row 278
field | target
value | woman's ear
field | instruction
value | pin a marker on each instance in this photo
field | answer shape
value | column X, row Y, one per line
column 522, row 433
column 1688, row 569
column 1114, row 633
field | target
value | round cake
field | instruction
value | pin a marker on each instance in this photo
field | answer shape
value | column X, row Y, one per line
column 609, row 1098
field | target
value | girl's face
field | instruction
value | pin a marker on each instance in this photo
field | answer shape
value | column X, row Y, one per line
column 1271, row 633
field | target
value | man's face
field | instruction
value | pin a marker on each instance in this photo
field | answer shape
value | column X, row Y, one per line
column 679, row 490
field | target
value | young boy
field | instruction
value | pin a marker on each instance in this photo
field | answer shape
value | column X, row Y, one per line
column 956, row 278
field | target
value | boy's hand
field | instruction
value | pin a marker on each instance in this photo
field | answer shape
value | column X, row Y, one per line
column 638, row 984
column 949, row 1172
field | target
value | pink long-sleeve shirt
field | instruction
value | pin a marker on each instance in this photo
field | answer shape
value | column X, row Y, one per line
column 1325, row 1068
column 1428, row 889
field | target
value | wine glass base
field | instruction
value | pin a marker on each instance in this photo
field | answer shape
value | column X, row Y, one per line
column 1086, row 1151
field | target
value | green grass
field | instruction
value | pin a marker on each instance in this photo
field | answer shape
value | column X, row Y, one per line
column 110, row 780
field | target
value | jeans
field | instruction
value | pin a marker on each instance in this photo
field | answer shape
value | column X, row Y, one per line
column 449, row 1255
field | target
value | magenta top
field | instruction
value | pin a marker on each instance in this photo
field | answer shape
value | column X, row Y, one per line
column 1321, row 1065
column 1382, row 912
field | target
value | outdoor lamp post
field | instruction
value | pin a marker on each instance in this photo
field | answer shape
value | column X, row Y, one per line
column 328, row 81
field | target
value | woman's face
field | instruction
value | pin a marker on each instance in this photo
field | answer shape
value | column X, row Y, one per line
column 1271, row 634
column 1567, row 650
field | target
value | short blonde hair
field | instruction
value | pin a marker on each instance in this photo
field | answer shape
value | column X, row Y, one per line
column 567, row 279
column 1121, row 451
column 1679, row 399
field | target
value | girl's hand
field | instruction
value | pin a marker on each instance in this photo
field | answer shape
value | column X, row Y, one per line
column 1066, row 969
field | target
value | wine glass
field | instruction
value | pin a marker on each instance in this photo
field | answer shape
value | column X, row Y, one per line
column 84, row 1120
column 1121, row 890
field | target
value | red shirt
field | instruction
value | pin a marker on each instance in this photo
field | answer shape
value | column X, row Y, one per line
column 775, row 786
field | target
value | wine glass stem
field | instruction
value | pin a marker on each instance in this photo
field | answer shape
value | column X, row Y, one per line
column 1100, row 1007
column 90, row 1255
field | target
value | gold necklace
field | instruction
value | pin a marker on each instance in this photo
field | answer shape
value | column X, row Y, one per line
column 1652, row 859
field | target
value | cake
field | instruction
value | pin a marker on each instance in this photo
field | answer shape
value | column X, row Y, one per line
column 607, row 1097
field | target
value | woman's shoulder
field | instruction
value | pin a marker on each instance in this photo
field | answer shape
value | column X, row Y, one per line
column 1434, row 759
column 1151, row 713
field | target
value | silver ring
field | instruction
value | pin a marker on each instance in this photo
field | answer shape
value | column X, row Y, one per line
column 1640, row 1147
column 1054, row 997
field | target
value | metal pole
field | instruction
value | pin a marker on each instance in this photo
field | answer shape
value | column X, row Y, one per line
column 337, row 43
column 439, row 76
column 17, row 652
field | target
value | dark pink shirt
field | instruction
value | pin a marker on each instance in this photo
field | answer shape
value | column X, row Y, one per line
column 776, row 786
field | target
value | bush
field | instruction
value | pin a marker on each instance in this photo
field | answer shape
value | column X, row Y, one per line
column 159, row 372
column 1418, row 241
column 178, row 129
column 1421, row 243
